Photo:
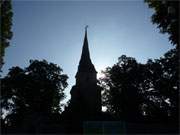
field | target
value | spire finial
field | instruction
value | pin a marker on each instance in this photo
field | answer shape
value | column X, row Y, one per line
column 86, row 28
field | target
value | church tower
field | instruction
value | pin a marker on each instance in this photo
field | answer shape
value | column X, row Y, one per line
column 86, row 94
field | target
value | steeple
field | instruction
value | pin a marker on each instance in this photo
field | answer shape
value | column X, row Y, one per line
column 85, row 94
column 85, row 56
column 86, row 72
column 85, row 64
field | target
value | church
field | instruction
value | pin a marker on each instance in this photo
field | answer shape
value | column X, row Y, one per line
column 85, row 102
column 86, row 94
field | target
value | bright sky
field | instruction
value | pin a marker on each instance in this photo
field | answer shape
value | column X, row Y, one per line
column 54, row 30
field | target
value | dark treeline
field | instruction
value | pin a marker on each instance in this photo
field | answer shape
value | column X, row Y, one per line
column 148, row 92
column 132, row 92
column 31, row 96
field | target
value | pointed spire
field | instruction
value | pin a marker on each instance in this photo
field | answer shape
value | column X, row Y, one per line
column 85, row 56
column 85, row 63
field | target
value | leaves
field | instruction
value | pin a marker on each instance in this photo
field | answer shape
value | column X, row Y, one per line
column 6, row 24
column 133, row 89
column 37, row 88
column 166, row 17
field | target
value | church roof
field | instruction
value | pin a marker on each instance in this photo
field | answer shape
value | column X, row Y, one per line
column 85, row 64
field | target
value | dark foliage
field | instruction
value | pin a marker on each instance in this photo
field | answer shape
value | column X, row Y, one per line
column 121, row 84
column 5, row 28
column 32, row 92
column 133, row 91
column 166, row 17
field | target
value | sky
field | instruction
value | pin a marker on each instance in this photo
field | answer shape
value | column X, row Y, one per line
column 54, row 31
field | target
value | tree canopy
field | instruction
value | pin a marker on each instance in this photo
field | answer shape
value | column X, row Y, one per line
column 133, row 90
column 166, row 16
column 121, row 87
column 38, row 88
column 6, row 14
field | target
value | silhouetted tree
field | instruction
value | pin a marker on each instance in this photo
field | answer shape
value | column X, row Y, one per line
column 164, row 92
column 166, row 16
column 122, row 91
column 37, row 89
column 163, row 87
column 6, row 23
column 132, row 90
